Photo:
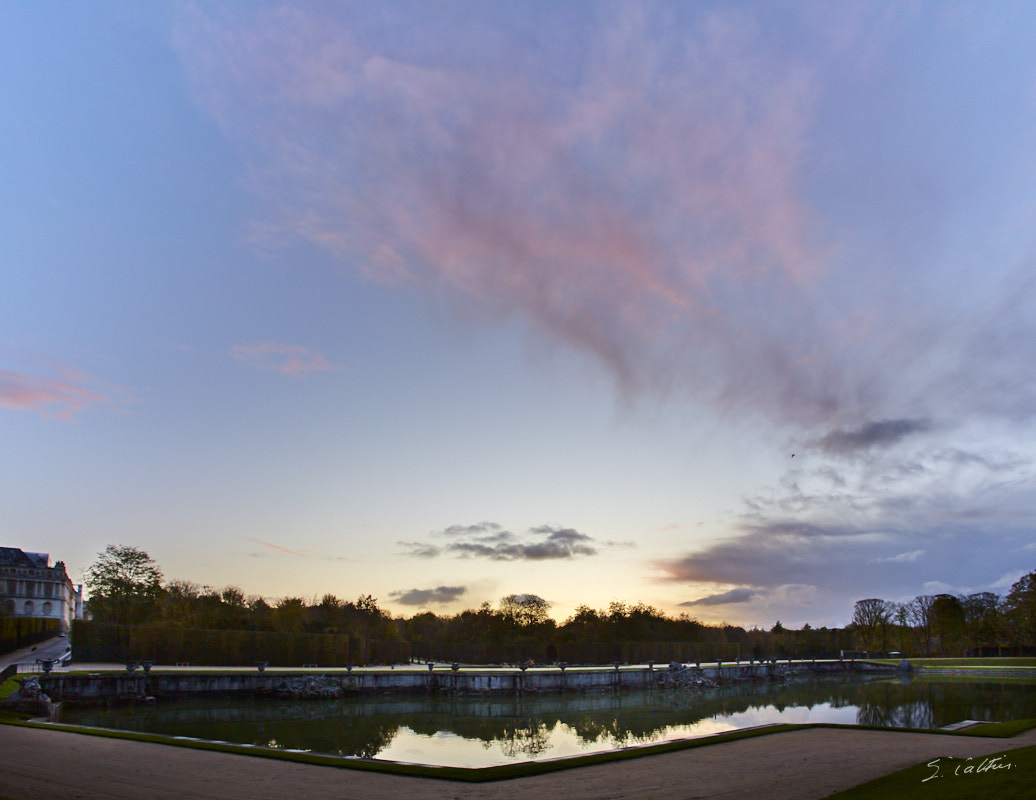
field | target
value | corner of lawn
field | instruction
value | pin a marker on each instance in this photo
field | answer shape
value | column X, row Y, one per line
column 999, row 775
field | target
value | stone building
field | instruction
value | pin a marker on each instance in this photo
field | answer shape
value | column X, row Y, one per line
column 31, row 587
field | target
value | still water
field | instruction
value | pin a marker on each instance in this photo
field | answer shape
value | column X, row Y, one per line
column 479, row 732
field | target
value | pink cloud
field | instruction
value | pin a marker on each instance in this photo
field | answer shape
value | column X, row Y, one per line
column 646, row 208
column 47, row 396
column 284, row 358
column 276, row 547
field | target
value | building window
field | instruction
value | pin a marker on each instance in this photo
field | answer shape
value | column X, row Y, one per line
column 47, row 609
column 9, row 606
column 28, row 607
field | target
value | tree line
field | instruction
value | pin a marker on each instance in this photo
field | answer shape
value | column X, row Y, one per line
column 983, row 623
column 127, row 588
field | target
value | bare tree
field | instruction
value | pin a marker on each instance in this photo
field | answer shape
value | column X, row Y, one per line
column 919, row 614
column 871, row 618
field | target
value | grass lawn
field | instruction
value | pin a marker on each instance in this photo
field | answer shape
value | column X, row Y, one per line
column 975, row 676
column 962, row 663
column 1000, row 730
column 1002, row 775
column 9, row 687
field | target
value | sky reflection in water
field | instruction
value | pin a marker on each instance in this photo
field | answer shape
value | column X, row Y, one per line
column 562, row 741
column 479, row 732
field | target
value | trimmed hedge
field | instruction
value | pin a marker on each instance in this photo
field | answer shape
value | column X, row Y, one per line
column 161, row 644
column 624, row 651
column 19, row 632
column 165, row 644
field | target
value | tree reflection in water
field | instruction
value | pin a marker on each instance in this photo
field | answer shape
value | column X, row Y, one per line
column 527, row 740
column 523, row 727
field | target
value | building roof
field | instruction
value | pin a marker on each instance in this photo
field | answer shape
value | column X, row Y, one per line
column 13, row 557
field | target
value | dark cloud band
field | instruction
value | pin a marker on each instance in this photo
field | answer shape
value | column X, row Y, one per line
column 883, row 433
column 491, row 541
column 724, row 598
column 440, row 595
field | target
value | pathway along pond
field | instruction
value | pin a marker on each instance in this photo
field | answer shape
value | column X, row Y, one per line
column 480, row 732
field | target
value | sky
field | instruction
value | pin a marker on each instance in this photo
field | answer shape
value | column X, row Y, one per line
column 727, row 308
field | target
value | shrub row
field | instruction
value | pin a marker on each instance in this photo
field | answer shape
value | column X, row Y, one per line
column 625, row 651
column 100, row 642
column 161, row 644
column 18, row 632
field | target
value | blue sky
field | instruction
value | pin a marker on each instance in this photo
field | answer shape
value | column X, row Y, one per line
column 723, row 307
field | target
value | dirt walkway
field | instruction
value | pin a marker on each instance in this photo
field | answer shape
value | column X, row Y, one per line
column 800, row 765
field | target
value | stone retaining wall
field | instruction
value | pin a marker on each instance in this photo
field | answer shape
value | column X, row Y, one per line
column 105, row 687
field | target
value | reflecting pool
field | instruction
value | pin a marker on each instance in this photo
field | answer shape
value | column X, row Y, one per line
column 479, row 732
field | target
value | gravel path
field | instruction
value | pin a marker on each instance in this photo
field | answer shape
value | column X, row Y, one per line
column 798, row 765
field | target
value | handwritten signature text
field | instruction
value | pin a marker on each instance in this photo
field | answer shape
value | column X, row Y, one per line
column 989, row 764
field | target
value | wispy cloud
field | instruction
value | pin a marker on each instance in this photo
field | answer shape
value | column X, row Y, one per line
column 903, row 558
column 440, row 595
column 742, row 595
column 1004, row 583
column 621, row 208
column 288, row 359
column 896, row 524
column 420, row 549
column 771, row 554
column 275, row 547
column 653, row 197
column 491, row 541
column 51, row 397
column 883, row 433
column 479, row 530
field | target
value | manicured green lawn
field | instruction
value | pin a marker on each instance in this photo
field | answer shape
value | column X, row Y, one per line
column 972, row 677
column 1002, row 775
column 954, row 663
column 999, row 730
column 9, row 687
